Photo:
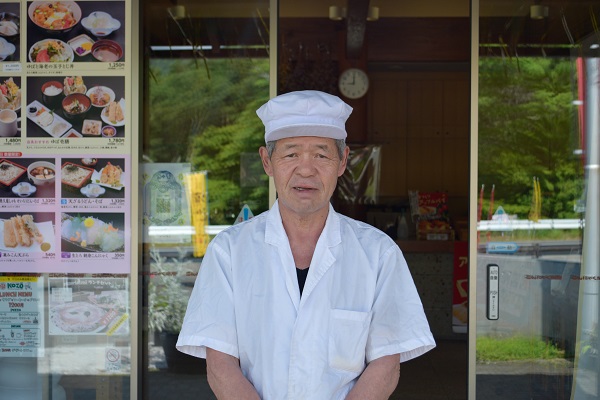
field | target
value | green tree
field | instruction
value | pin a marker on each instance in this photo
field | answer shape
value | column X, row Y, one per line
column 526, row 130
column 212, row 123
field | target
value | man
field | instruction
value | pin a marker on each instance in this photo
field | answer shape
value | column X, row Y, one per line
column 267, row 334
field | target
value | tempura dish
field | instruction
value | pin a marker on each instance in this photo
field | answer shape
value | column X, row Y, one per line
column 55, row 16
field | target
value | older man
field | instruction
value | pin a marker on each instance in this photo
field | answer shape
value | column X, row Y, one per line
column 301, row 302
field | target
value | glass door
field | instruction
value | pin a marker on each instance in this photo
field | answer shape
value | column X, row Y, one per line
column 536, row 315
column 206, row 71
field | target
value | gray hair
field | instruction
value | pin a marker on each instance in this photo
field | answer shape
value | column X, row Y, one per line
column 339, row 143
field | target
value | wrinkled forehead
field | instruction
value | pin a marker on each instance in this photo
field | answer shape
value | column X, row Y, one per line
column 306, row 142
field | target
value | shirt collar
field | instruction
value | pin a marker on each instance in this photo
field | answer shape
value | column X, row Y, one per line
column 275, row 233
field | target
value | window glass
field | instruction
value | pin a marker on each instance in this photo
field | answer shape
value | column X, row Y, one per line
column 206, row 73
column 537, row 223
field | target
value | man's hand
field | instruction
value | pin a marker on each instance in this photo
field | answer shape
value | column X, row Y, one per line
column 378, row 381
column 226, row 379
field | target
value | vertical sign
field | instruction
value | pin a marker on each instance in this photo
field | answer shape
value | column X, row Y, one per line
column 460, row 313
column 493, row 292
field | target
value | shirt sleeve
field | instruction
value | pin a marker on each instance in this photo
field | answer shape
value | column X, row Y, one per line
column 399, row 324
column 210, row 318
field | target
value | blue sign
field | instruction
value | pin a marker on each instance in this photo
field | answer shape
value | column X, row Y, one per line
column 502, row 247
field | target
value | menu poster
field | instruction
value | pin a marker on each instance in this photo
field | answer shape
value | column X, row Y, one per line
column 21, row 316
column 65, row 137
column 88, row 306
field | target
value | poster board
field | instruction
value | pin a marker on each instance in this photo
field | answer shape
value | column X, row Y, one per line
column 66, row 140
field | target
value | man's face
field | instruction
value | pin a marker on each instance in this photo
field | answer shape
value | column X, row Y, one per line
column 305, row 171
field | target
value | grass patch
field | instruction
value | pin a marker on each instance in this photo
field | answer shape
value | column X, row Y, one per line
column 516, row 348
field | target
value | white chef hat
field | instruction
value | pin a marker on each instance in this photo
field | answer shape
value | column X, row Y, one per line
column 304, row 113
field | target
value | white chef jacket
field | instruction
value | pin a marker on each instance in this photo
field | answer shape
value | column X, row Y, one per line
column 359, row 303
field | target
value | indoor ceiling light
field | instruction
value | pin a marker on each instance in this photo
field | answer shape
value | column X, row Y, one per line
column 538, row 11
column 337, row 13
column 177, row 12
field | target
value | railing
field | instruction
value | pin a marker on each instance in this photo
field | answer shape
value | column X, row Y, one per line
column 524, row 224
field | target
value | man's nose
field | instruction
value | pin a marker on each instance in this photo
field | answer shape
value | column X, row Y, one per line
column 306, row 165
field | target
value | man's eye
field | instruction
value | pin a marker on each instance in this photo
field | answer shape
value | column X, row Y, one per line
column 291, row 155
column 321, row 156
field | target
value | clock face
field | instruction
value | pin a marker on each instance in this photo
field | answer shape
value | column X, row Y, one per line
column 354, row 83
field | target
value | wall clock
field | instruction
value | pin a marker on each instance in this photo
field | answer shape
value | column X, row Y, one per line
column 353, row 83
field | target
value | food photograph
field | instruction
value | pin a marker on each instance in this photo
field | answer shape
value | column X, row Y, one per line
column 27, row 177
column 88, row 306
column 10, row 106
column 92, row 232
column 10, row 32
column 72, row 31
column 76, row 107
column 27, row 232
column 92, row 178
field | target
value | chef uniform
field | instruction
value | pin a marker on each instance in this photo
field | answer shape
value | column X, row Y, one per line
column 359, row 303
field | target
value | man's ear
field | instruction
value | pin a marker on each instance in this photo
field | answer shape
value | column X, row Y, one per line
column 344, row 161
column 266, row 161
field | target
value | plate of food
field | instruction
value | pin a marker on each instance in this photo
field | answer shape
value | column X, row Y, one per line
column 51, row 50
column 91, row 127
column 21, row 233
column 54, row 16
column 92, row 190
column 101, row 96
column 81, row 45
column 10, row 95
column 92, row 234
column 79, row 317
column 109, row 176
column 114, row 113
column 9, row 25
column 72, row 134
column 53, row 124
column 10, row 173
column 74, row 177
column 74, row 84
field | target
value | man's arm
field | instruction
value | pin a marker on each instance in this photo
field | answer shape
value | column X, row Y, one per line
column 378, row 381
column 226, row 379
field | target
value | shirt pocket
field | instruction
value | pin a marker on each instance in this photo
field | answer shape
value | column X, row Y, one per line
column 348, row 332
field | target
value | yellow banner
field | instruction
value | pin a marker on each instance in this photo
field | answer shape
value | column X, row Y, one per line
column 197, row 198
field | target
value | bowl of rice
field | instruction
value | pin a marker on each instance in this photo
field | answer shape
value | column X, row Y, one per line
column 52, row 93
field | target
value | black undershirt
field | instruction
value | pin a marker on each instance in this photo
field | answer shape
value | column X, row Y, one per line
column 301, row 274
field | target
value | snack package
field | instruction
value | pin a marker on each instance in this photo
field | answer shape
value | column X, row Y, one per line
column 428, row 205
column 429, row 210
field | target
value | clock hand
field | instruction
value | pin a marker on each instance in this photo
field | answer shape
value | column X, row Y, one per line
column 353, row 78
